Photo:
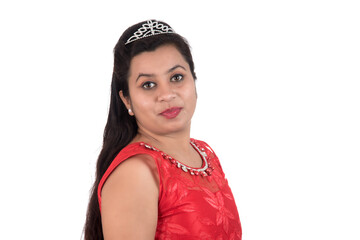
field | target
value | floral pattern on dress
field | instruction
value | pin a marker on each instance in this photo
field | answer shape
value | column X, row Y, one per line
column 190, row 206
column 223, row 214
column 167, row 230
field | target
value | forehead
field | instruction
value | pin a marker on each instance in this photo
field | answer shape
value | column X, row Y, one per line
column 157, row 61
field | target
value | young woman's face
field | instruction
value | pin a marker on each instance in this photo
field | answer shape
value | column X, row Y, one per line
column 162, row 91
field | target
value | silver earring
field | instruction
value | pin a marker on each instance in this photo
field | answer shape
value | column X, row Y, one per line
column 130, row 111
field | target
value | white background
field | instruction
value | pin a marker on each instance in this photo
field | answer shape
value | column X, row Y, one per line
column 278, row 85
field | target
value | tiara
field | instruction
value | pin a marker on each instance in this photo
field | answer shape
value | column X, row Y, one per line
column 148, row 29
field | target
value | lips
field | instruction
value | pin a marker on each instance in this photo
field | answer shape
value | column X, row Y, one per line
column 171, row 113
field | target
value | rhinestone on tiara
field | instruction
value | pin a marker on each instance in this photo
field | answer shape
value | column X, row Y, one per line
column 148, row 29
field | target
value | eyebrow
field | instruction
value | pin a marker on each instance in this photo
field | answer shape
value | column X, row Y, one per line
column 152, row 75
column 175, row 67
column 144, row 75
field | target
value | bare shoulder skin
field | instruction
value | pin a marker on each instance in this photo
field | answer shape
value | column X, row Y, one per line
column 129, row 207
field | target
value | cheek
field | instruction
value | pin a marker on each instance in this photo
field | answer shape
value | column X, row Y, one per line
column 191, row 91
column 191, row 95
column 141, row 103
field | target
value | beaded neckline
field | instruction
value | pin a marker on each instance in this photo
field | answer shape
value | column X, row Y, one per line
column 204, row 171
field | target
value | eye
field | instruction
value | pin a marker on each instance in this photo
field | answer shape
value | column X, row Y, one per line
column 177, row 78
column 148, row 85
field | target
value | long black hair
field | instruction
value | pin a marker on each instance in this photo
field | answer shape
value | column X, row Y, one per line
column 121, row 128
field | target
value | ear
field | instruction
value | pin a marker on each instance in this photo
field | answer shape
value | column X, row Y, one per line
column 126, row 100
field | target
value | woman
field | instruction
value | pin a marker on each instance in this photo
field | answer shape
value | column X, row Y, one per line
column 152, row 179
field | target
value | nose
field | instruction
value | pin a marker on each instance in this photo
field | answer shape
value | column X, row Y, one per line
column 166, row 93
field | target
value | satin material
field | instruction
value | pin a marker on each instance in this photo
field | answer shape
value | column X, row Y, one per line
column 190, row 206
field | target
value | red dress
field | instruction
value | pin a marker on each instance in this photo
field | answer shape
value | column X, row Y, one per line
column 194, row 203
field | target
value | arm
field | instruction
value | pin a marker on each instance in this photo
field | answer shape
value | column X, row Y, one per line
column 129, row 207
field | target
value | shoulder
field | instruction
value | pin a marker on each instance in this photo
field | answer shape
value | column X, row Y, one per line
column 130, row 198
column 133, row 161
column 133, row 154
column 134, row 172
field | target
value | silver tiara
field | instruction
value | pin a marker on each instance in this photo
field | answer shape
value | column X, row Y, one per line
column 148, row 29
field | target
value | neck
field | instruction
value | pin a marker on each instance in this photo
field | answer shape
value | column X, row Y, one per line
column 170, row 143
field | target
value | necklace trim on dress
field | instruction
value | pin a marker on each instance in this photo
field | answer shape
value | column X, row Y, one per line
column 204, row 171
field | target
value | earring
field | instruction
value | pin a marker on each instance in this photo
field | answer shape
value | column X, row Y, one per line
column 130, row 112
